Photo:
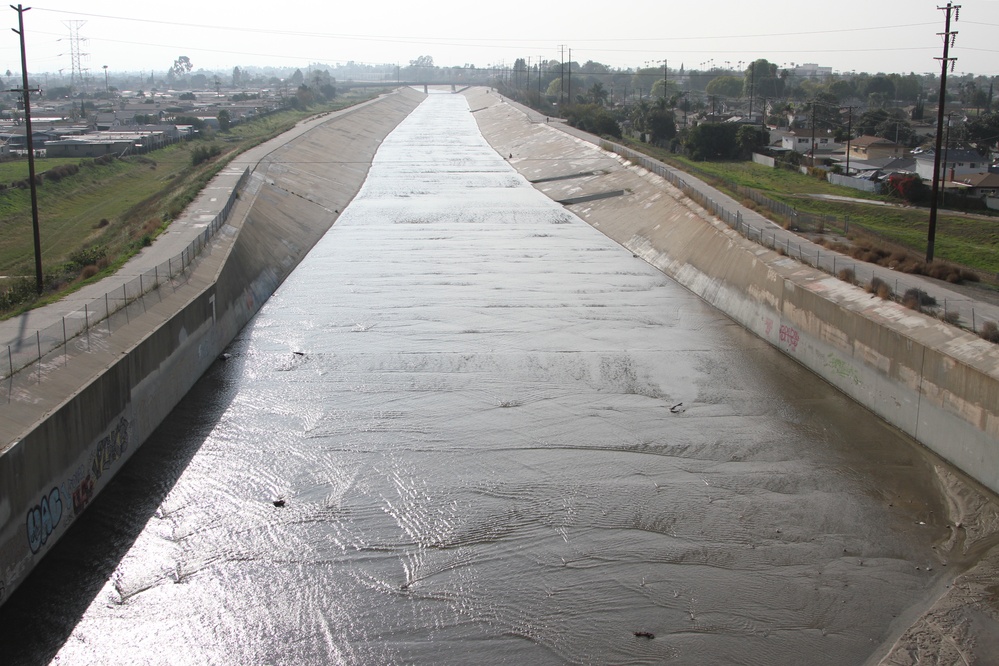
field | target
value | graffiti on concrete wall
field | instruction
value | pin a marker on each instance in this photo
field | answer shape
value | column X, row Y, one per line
column 83, row 492
column 789, row 336
column 81, row 486
column 110, row 449
column 43, row 518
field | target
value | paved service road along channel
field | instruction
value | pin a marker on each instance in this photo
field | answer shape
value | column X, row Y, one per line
column 471, row 429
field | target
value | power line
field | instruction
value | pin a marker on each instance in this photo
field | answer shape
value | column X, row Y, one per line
column 216, row 28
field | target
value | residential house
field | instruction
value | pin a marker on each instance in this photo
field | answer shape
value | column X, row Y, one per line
column 955, row 164
column 116, row 120
column 878, row 169
column 800, row 141
column 869, row 148
column 981, row 185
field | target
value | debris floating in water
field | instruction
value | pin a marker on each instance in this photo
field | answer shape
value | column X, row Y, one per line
column 279, row 502
column 645, row 634
column 678, row 408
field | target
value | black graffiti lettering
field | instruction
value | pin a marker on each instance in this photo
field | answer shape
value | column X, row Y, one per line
column 110, row 449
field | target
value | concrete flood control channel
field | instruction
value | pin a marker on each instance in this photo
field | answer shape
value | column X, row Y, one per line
column 575, row 160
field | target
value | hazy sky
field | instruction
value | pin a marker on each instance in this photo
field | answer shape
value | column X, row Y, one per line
column 865, row 35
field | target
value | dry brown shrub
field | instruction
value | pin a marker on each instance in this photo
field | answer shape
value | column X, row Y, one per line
column 969, row 276
column 989, row 331
column 880, row 288
column 847, row 275
column 916, row 299
column 89, row 272
column 912, row 266
column 897, row 258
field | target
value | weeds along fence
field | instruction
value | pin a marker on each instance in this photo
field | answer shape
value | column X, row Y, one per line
column 878, row 280
column 97, row 316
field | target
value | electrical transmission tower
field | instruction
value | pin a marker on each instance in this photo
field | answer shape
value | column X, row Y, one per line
column 76, row 56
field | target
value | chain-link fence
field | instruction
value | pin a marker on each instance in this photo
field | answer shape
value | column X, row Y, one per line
column 32, row 347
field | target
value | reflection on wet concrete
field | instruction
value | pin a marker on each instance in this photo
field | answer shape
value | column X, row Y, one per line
column 497, row 437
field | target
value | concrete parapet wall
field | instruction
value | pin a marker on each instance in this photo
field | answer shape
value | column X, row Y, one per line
column 115, row 395
column 935, row 382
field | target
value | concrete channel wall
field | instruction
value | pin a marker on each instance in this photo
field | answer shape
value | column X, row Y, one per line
column 935, row 382
column 114, row 396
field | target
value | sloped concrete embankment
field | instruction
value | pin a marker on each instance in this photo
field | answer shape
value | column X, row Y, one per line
column 121, row 390
column 935, row 382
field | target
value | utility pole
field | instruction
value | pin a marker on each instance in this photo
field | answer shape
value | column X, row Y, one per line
column 568, row 94
column 26, row 96
column 752, row 86
column 946, row 150
column 561, row 78
column 813, row 132
column 849, row 137
column 945, row 61
column 539, row 80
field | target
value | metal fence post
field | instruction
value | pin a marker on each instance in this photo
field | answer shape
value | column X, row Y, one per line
column 65, row 342
column 107, row 312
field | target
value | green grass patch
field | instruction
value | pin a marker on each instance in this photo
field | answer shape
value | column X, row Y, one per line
column 14, row 170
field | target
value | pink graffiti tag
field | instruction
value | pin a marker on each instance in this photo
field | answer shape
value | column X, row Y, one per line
column 770, row 326
column 790, row 336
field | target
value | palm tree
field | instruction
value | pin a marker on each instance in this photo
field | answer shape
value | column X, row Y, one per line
column 597, row 94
